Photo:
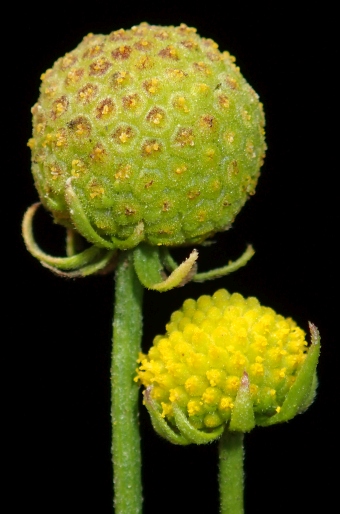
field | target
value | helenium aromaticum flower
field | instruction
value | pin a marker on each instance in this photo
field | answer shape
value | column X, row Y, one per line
column 227, row 362
column 146, row 135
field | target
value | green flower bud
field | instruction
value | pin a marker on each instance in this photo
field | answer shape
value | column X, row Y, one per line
column 226, row 360
column 152, row 133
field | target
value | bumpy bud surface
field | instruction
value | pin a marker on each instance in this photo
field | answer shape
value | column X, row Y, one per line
column 217, row 346
column 153, row 127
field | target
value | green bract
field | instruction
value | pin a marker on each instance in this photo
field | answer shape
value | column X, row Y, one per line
column 149, row 134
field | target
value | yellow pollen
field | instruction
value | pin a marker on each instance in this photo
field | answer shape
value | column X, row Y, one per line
column 167, row 409
column 282, row 373
column 181, row 103
column 229, row 137
column 257, row 369
column 226, row 404
column 55, row 172
column 77, row 167
column 123, row 172
column 210, row 153
column 202, row 88
column 151, row 148
column 80, row 129
column 49, row 91
column 124, row 137
column 180, row 170
column 194, row 407
column 176, row 74
column 97, row 191
column 61, row 139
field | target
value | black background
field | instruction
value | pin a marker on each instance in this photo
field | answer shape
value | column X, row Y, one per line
column 58, row 331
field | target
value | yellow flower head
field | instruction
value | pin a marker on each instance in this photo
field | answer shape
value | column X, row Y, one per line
column 221, row 354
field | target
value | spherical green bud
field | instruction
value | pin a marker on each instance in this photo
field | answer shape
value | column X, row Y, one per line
column 152, row 127
column 228, row 360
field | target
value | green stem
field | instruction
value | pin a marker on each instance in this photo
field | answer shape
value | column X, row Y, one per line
column 127, row 333
column 231, row 472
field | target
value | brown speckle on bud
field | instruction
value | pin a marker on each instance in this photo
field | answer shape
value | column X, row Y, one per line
column 250, row 149
column 169, row 52
column 233, row 169
column 93, row 51
column 156, row 116
column 80, row 126
column 190, row 44
column 185, row 137
column 96, row 189
column 193, row 194
column 129, row 211
column 50, row 91
column 123, row 172
column 176, row 74
column 143, row 45
column 231, row 82
column 152, row 86
column 184, row 29
column 55, row 171
column 87, row 93
column 162, row 35
column 59, row 107
column 151, row 147
column 201, row 67
column 61, row 138
column 132, row 101
column 223, row 101
column 78, row 168
column 207, row 121
column 121, row 53
column 119, row 35
column 180, row 103
column 213, row 56
column 246, row 117
column 148, row 184
column 181, row 169
column 123, row 135
column 121, row 79
column 105, row 109
column 74, row 76
column 98, row 153
column 144, row 63
column 99, row 67
column 67, row 61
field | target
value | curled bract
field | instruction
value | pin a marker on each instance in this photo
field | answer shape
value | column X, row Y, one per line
column 154, row 266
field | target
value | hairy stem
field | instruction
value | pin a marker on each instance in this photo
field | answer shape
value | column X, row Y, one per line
column 127, row 333
column 231, row 472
